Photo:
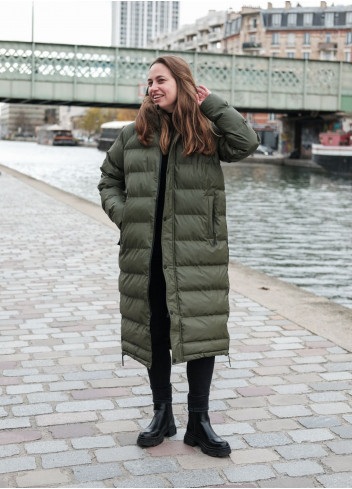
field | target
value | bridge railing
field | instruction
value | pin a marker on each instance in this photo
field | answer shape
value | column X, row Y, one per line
column 117, row 76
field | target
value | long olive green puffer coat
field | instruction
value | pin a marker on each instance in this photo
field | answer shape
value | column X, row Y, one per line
column 194, row 234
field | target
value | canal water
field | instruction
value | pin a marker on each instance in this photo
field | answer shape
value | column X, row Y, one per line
column 289, row 222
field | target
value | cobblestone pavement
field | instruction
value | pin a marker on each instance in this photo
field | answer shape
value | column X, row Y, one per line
column 70, row 414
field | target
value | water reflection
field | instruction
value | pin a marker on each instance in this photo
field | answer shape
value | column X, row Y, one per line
column 292, row 223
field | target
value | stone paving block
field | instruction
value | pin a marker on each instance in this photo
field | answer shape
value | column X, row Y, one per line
column 32, row 410
column 307, row 450
column 248, row 414
column 288, row 399
column 339, row 463
column 339, row 367
column 249, row 473
column 96, row 472
column 291, row 388
column 135, row 402
column 298, row 469
column 151, row 466
column 42, row 478
column 143, row 482
column 233, row 428
column 9, row 451
column 47, row 397
column 312, row 435
column 343, row 431
column 195, row 478
column 46, row 447
column 13, row 423
column 336, row 480
column 65, row 418
column 93, row 442
column 255, row 391
column 319, row 421
column 327, row 396
column 67, row 385
column 117, row 426
column 23, row 389
column 66, row 459
column 290, row 411
column 17, row 464
column 119, row 414
column 91, row 405
column 267, row 440
column 119, row 453
column 336, row 376
column 340, row 447
column 277, row 425
column 71, row 430
column 330, row 386
column 253, row 456
column 99, row 393
column 331, row 408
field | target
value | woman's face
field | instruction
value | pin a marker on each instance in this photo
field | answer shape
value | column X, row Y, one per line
column 162, row 87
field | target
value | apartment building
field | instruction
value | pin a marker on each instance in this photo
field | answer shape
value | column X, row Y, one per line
column 135, row 23
column 205, row 35
column 323, row 33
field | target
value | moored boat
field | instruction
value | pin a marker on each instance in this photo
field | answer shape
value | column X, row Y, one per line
column 334, row 153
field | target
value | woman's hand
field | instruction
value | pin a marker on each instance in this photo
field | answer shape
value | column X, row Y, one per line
column 202, row 93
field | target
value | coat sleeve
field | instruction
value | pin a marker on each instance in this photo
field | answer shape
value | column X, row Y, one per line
column 237, row 139
column 112, row 183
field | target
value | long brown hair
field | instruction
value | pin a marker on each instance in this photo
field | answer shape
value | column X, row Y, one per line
column 195, row 129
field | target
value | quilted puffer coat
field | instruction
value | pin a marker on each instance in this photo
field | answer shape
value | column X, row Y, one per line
column 194, row 234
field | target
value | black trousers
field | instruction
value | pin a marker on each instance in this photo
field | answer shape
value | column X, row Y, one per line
column 199, row 372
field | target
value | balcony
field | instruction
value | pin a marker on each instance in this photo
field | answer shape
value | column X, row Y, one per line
column 251, row 45
column 215, row 35
column 327, row 46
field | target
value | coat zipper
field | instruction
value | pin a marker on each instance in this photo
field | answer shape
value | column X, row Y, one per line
column 215, row 242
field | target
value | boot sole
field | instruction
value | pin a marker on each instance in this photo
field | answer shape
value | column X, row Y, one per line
column 153, row 442
column 192, row 441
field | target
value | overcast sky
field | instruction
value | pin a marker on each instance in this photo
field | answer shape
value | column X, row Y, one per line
column 89, row 21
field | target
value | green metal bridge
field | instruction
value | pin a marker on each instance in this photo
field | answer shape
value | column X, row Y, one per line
column 105, row 76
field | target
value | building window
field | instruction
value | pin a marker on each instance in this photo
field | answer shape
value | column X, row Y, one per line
column 291, row 39
column 328, row 37
column 348, row 18
column 254, row 23
column 291, row 19
column 328, row 56
column 329, row 19
column 306, row 38
column 275, row 39
column 306, row 55
column 307, row 19
column 276, row 19
column 272, row 116
column 290, row 54
column 348, row 37
column 348, row 56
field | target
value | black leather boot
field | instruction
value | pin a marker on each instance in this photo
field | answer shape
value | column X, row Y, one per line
column 199, row 432
column 163, row 424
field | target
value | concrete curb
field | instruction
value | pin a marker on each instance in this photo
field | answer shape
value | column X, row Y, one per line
column 310, row 311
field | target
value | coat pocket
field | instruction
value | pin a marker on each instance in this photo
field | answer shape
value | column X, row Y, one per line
column 212, row 231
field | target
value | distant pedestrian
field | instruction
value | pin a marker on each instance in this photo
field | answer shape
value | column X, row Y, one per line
column 163, row 186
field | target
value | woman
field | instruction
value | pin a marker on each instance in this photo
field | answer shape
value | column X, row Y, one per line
column 162, row 185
